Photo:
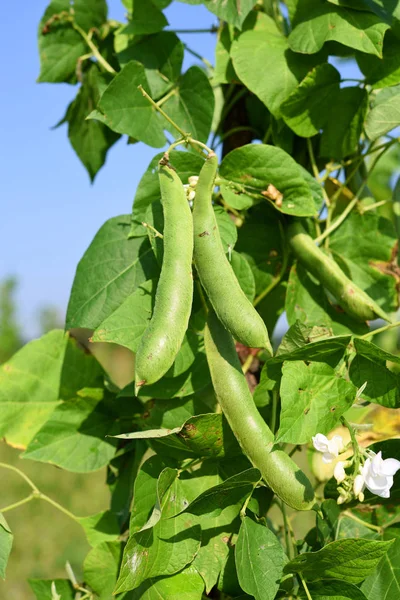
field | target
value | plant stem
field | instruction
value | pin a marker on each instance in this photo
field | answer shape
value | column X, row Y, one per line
column 184, row 135
column 286, row 530
column 166, row 97
column 212, row 29
column 101, row 60
column 307, row 591
column 349, row 514
column 373, row 206
column 276, row 280
column 153, row 229
column 354, row 443
column 58, row 506
column 197, row 55
column 376, row 331
column 17, row 504
column 338, row 221
column 275, row 397
column 247, row 363
column 21, row 474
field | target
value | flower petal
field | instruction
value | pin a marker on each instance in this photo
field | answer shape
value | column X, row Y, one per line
column 390, row 466
column 320, row 442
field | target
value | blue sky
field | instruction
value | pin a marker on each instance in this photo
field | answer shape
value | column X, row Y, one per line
column 49, row 210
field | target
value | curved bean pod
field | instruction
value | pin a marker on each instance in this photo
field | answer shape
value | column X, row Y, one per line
column 351, row 298
column 230, row 303
column 163, row 337
column 278, row 470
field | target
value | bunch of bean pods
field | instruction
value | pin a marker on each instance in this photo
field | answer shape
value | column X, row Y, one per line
column 195, row 237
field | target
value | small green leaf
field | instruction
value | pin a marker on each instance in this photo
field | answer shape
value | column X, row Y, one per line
column 101, row 568
column 186, row 585
column 313, row 399
column 307, row 109
column 256, row 166
column 101, row 527
column 349, row 560
column 111, row 269
column 332, row 590
column 42, row 588
column 146, row 18
column 74, row 437
column 226, row 227
column 317, row 22
column 343, row 129
column 6, row 542
column 385, row 113
column 124, row 109
column 259, row 560
column 230, row 11
column 90, row 13
column 385, row 71
column 384, row 582
column 244, row 274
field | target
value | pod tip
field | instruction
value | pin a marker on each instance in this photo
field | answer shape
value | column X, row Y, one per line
column 138, row 385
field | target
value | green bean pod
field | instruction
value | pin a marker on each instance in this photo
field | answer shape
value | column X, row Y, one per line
column 351, row 298
column 278, row 470
column 230, row 303
column 163, row 336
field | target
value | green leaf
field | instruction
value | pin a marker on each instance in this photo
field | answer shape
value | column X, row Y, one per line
column 29, row 387
column 101, row 568
column 110, row 270
column 148, row 190
column 231, row 11
column 42, row 589
column 233, row 491
column 186, row 585
column 384, row 582
column 164, row 549
column 160, row 54
column 244, row 274
column 224, row 71
column 192, row 105
column 349, row 560
column 124, row 109
column 307, row 109
column 168, row 414
column 368, row 260
column 332, row 590
column 73, row 437
column 60, row 46
column 315, row 189
column 255, row 52
column 313, row 399
column 202, row 435
column 101, row 527
column 317, row 22
column 349, row 528
column 307, row 302
column 146, row 18
column 226, row 227
column 302, row 342
column 382, row 385
column 259, row 560
column 90, row 13
column 385, row 71
column 91, row 140
column 256, row 166
column 6, row 541
column 79, row 370
column 385, row 113
column 346, row 117
column 145, row 492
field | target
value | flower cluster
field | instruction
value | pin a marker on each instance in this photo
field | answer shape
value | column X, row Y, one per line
column 369, row 470
column 190, row 187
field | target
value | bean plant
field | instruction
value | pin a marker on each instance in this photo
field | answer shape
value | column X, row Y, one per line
column 252, row 452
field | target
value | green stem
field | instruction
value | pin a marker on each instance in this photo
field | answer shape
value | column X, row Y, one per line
column 276, row 279
column 316, row 170
column 21, row 474
column 58, row 506
column 197, row 55
column 153, row 229
column 373, row 206
column 247, row 363
column 303, row 582
column 101, row 60
column 380, row 330
column 166, row 97
column 347, row 513
column 183, row 133
column 274, row 410
column 209, row 30
column 18, row 504
column 354, row 443
column 338, row 221
column 289, row 547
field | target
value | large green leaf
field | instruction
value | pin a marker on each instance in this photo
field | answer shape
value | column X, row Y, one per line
column 6, row 541
column 317, row 22
column 307, row 109
column 349, row 560
column 191, row 106
column 45, row 589
column 385, row 71
column 74, row 437
column 146, row 18
column 369, row 259
column 101, row 568
column 202, row 435
column 124, row 109
column 385, row 113
column 101, row 527
column 259, row 560
column 186, row 585
column 384, row 582
column 343, row 129
column 332, row 590
column 256, row 52
column 91, row 140
column 90, row 13
column 29, row 387
column 186, row 164
column 313, row 399
column 110, row 270
column 256, row 166
column 160, row 54
column 231, row 11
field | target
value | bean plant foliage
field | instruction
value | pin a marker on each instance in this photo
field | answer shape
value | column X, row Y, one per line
column 306, row 207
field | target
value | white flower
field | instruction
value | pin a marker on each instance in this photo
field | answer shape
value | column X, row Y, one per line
column 330, row 448
column 339, row 473
column 378, row 474
column 193, row 179
column 358, row 485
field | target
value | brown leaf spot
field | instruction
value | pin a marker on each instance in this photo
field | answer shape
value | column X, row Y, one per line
column 203, row 234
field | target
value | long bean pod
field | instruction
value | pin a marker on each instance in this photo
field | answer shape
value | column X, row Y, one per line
column 351, row 298
column 278, row 470
column 230, row 303
column 163, row 336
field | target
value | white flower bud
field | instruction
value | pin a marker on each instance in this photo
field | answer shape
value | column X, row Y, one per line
column 341, row 500
column 339, row 473
column 358, row 485
column 191, row 195
column 193, row 179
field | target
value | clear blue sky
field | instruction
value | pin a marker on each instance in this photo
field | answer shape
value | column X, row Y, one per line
column 49, row 210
